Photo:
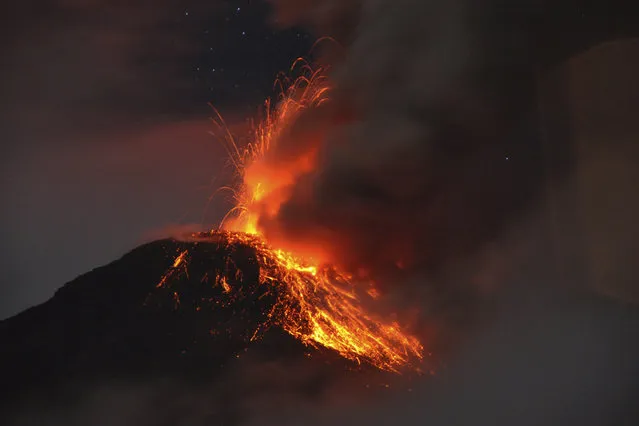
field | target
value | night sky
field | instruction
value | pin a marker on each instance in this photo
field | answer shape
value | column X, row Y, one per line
column 104, row 128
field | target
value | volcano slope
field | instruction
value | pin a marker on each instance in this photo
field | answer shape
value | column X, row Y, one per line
column 117, row 323
column 187, row 360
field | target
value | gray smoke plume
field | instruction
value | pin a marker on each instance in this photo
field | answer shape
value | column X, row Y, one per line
column 427, row 142
column 428, row 151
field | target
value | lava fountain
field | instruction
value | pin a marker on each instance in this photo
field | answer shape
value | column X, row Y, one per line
column 315, row 302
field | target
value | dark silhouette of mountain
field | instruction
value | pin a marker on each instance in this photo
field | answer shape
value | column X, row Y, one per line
column 114, row 323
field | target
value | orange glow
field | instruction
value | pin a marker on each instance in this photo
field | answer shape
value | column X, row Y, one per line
column 178, row 260
column 316, row 303
column 265, row 179
column 225, row 285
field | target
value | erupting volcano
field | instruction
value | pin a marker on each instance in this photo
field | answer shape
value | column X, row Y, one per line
column 315, row 302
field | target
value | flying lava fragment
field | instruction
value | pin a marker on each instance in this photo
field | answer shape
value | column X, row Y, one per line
column 314, row 302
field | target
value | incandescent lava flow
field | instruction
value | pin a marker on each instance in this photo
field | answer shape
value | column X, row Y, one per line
column 314, row 302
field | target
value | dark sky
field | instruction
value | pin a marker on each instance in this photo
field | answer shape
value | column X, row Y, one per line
column 104, row 124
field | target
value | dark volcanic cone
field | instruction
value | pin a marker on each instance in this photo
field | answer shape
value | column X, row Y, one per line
column 116, row 323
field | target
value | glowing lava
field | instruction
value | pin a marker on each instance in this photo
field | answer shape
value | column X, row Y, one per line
column 316, row 303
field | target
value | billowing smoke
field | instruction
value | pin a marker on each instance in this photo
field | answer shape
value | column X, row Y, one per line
column 427, row 150
column 420, row 172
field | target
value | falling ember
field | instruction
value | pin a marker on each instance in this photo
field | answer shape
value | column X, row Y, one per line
column 225, row 285
column 178, row 260
column 315, row 303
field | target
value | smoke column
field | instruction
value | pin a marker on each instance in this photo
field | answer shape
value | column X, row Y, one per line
column 413, row 165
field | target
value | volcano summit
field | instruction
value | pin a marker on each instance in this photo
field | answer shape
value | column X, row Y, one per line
column 187, row 309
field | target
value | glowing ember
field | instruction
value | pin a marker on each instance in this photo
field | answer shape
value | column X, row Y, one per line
column 316, row 303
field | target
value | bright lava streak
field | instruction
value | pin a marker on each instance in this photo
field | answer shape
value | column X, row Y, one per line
column 316, row 303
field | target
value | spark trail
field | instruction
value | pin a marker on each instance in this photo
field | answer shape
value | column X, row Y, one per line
column 315, row 302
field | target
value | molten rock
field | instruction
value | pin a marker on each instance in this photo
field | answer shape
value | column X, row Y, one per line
column 116, row 323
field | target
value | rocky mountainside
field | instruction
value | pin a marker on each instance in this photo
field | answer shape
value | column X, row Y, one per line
column 114, row 323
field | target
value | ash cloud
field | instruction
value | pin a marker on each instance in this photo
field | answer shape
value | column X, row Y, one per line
column 431, row 174
column 427, row 152
column 441, row 165
column 428, row 143
column 441, row 149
